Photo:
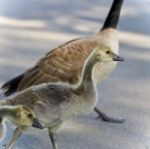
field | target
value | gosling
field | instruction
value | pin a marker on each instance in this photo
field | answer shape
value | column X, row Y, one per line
column 53, row 103
column 21, row 116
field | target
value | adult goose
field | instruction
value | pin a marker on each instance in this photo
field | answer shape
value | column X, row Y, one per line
column 65, row 62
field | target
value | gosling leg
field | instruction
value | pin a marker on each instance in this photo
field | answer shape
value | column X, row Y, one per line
column 53, row 138
column 107, row 118
column 16, row 135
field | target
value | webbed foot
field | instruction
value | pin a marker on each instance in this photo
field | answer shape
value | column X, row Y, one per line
column 107, row 118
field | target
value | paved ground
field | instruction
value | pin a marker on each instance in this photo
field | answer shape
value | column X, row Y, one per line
column 29, row 28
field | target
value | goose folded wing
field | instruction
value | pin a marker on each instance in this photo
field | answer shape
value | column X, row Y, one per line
column 61, row 64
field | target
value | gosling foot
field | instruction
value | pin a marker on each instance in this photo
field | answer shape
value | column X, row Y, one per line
column 107, row 118
column 53, row 138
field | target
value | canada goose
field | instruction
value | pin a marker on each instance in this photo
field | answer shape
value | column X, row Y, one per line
column 53, row 103
column 21, row 116
column 65, row 62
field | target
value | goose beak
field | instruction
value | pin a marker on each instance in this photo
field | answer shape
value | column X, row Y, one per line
column 116, row 57
column 36, row 124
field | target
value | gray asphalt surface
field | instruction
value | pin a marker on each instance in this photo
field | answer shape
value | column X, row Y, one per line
column 29, row 28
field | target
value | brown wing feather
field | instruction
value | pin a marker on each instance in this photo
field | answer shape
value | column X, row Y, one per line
column 63, row 63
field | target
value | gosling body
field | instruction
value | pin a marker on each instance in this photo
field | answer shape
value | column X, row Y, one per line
column 53, row 103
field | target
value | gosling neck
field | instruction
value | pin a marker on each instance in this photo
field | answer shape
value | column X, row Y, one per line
column 6, row 111
column 86, row 77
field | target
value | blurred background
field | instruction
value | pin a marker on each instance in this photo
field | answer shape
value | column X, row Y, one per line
column 30, row 28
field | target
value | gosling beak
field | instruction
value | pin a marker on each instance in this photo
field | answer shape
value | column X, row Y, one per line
column 116, row 57
column 36, row 124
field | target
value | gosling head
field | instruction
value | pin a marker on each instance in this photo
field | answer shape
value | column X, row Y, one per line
column 24, row 116
column 105, row 54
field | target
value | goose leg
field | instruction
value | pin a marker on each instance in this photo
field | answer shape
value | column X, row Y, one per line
column 107, row 118
column 16, row 135
column 53, row 138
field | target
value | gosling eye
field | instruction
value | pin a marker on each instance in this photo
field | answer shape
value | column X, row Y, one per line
column 30, row 115
column 107, row 52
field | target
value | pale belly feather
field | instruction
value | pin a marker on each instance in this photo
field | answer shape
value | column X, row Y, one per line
column 78, row 105
column 102, row 70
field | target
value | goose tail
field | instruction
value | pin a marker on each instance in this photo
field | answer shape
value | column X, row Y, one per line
column 11, row 86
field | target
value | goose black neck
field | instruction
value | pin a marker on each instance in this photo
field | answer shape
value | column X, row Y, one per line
column 113, row 15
